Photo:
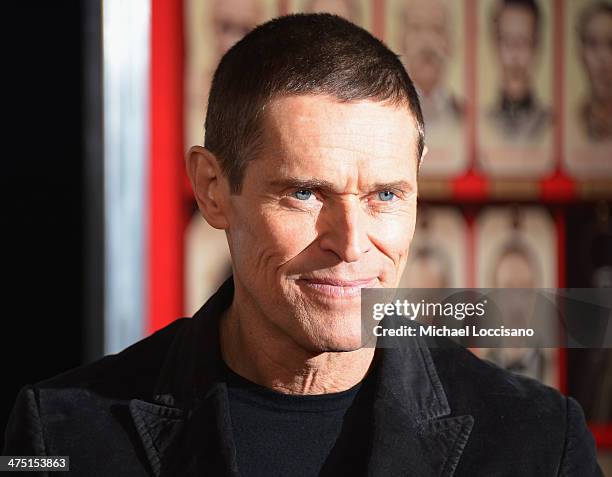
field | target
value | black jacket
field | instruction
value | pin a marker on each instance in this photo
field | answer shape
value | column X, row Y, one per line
column 160, row 408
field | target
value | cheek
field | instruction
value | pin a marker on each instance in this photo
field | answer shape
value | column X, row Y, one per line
column 393, row 235
column 275, row 237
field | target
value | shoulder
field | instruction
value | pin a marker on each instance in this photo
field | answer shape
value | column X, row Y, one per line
column 470, row 380
column 516, row 417
column 87, row 402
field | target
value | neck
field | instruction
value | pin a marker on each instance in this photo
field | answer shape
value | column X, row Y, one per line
column 257, row 350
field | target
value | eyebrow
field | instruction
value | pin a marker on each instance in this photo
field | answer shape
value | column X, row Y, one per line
column 328, row 187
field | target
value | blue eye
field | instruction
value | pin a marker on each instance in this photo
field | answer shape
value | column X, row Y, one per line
column 302, row 194
column 386, row 195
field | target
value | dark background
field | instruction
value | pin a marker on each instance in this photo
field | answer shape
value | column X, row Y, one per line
column 43, row 182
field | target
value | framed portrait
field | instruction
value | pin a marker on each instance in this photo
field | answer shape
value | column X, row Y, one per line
column 356, row 11
column 588, row 88
column 429, row 36
column 515, row 89
column 211, row 28
column 516, row 248
column 437, row 256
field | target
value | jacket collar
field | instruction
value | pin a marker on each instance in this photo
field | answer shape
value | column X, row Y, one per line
column 186, row 430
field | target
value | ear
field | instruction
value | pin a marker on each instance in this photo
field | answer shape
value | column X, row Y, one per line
column 209, row 186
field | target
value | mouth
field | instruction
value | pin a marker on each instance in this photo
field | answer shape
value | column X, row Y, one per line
column 337, row 288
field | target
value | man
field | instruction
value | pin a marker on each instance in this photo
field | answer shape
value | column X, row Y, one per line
column 518, row 115
column 595, row 51
column 313, row 137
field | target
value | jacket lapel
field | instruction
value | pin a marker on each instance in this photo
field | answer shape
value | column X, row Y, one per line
column 193, row 444
column 412, row 435
column 185, row 429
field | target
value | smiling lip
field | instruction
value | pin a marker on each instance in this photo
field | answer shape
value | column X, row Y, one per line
column 336, row 287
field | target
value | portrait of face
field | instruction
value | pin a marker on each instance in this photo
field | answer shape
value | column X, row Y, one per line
column 331, row 194
column 424, row 42
column 587, row 92
column 515, row 77
column 231, row 20
column 596, row 53
column 516, row 267
column 516, row 41
column 429, row 37
column 516, row 251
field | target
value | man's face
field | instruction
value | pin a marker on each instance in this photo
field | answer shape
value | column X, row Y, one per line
column 425, row 43
column 597, row 55
column 328, row 207
column 516, row 45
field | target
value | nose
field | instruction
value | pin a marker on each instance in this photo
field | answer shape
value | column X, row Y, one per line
column 345, row 230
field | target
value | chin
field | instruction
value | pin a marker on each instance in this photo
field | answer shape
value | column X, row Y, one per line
column 342, row 348
column 336, row 347
column 339, row 342
column 329, row 330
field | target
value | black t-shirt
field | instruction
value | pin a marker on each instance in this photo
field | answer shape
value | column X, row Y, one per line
column 299, row 435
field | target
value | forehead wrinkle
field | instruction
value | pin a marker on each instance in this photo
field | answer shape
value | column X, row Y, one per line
column 302, row 150
column 348, row 145
column 304, row 164
column 357, row 117
column 370, row 146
